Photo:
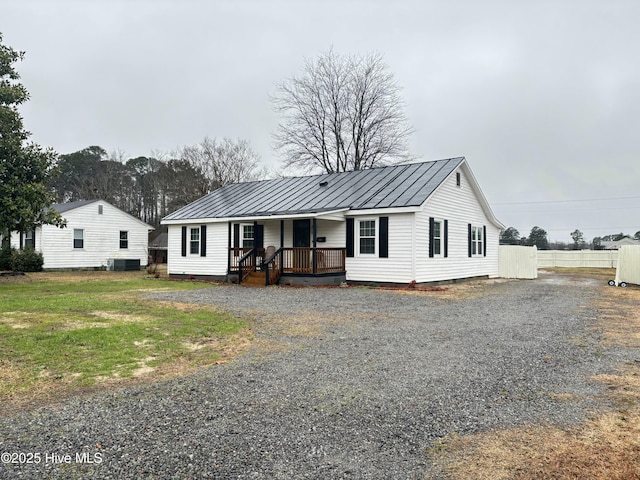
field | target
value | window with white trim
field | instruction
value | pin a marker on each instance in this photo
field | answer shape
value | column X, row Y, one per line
column 367, row 237
column 78, row 238
column 477, row 242
column 247, row 236
column 194, row 241
column 437, row 237
column 124, row 239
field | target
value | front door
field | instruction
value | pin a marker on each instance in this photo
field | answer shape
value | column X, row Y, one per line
column 301, row 240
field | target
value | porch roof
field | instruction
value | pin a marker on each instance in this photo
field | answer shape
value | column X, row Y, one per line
column 394, row 186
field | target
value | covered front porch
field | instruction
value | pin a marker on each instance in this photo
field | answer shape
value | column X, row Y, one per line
column 293, row 251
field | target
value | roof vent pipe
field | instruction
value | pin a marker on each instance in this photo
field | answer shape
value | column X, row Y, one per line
column 324, row 183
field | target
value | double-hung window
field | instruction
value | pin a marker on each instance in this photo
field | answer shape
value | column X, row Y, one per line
column 194, row 241
column 367, row 236
column 78, row 238
column 247, row 236
column 437, row 237
column 124, row 239
column 477, row 241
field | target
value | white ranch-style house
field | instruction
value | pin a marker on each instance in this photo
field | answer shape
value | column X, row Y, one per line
column 96, row 232
column 422, row 222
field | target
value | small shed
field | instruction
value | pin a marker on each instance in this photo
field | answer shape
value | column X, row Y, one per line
column 628, row 270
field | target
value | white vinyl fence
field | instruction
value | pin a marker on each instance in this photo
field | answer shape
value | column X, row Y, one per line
column 518, row 262
column 578, row 258
column 628, row 270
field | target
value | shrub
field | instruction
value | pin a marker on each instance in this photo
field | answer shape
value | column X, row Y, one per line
column 27, row 260
column 5, row 256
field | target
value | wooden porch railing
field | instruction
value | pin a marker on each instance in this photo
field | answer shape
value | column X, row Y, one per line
column 313, row 260
column 296, row 260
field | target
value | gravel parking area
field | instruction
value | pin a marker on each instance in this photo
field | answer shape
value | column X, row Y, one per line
column 345, row 383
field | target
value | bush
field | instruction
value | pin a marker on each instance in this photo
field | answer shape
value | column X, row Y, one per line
column 27, row 260
column 5, row 256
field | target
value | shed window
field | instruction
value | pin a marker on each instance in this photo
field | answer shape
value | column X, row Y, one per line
column 194, row 241
column 99, row 209
column 78, row 238
column 367, row 237
column 124, row 239
column 477, row 241
column 29, row 239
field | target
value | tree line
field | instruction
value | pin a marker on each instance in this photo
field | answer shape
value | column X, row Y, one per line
column 151, row 187
column 538, row 237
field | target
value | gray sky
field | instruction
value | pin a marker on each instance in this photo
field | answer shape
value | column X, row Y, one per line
column 541, row 97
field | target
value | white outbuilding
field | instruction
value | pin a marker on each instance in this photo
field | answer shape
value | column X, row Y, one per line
column 97, row 235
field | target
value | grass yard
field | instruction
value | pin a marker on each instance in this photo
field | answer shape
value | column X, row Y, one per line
column 66, row 332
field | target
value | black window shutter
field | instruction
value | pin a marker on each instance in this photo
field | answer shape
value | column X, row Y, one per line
column 469, row 239
column 184, row 241
column 236, row 235
column 258, row 236
column 446, row 238
column 21, row 240
column 203, row 240
column 384, row 237
column 350, row 239
column 484, row 240
column 431, row 226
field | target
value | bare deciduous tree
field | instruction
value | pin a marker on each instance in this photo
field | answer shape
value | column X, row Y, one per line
column 341, row 114
column 223, row 162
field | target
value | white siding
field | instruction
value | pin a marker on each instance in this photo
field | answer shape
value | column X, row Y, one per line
column 460, row 206
column 398, row 267
column 101, row 238
column 215, row 261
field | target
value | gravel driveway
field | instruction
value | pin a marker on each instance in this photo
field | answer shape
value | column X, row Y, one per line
column 349, row 383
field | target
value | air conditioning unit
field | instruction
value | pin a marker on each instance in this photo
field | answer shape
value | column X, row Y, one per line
column 123, row 264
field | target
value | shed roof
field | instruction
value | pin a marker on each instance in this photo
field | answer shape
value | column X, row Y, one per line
column 65, row 207
column 68, row 206
column 407, row 185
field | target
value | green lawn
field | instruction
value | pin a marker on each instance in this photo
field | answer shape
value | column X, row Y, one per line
column 79, row 329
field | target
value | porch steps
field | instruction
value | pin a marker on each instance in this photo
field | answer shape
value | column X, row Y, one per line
column 255, row 279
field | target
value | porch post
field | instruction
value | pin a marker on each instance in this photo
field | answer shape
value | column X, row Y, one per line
column 281, row 233
column 255, row 227
column 314, row 229
column 281, row 264
column 229, row 251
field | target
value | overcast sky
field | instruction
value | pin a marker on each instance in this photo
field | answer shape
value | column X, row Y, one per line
column 541, row 97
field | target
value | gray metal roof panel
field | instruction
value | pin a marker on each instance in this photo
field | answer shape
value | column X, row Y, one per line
column 383, row 187
column 65, row 207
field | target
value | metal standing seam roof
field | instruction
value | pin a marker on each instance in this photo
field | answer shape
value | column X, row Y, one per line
column 394, row 186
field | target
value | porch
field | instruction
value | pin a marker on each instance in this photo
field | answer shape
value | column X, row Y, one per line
column 260, row 266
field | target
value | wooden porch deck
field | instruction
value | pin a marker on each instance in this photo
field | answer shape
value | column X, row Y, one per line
column 303, row 261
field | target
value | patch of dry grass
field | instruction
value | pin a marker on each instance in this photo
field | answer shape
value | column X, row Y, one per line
column 607, row 446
